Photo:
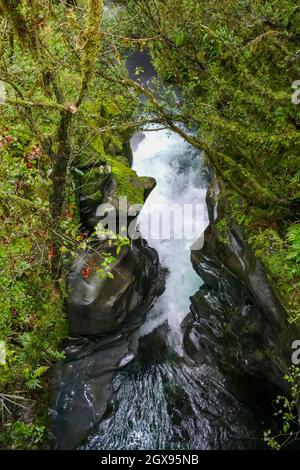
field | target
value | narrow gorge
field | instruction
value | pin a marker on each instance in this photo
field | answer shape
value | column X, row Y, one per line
column 150, row 226
column 157, row 376
column 186, row 348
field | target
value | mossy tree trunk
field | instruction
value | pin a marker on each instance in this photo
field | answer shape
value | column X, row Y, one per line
column 61, row 162
column 30, row 25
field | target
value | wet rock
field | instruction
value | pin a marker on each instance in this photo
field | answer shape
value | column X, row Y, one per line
column 153, row 347
column 81, row 384
column 236, row 317
column 104, row 315
column 128, row 153
column 97, row 305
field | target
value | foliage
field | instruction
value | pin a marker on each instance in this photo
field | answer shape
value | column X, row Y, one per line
column 62, row 113
column 294, row 251
column 69, row 109
column 287, row 412
column 114, row 241
column 235, row 62
column 55, row 89
column 223, row 229
column 23, row 436
column 32, row 322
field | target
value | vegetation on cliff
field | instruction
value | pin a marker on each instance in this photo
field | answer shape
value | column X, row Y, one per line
column 67, row 108
column 61, row 124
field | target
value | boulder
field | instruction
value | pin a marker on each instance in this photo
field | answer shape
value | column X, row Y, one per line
column 96, row 306
column 81, row 385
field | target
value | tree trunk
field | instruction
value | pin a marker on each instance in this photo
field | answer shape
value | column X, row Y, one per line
column 60, row 167
column 59, row 182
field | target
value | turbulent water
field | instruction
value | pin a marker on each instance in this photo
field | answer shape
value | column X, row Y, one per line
column 176, row 167
column 163, row 400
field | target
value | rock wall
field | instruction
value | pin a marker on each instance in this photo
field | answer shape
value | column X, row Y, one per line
column 105, row 317
column 236, row 317
column 96, row 306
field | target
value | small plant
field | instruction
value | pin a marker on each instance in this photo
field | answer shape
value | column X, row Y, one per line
column 294, row 250
column 287, row 412
column 33, row 378
column 104, row 269
column 24, row 436
column 223, row 229
column 115, row 241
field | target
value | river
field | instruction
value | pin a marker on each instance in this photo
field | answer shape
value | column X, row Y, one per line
column 163, row 400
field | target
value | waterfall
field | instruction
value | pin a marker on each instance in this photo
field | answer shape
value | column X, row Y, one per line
column 175, row 165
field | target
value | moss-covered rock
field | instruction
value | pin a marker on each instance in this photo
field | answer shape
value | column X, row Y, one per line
column 128, row 183
column 107, row 180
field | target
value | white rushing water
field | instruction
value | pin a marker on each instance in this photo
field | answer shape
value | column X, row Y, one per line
column 176, row 166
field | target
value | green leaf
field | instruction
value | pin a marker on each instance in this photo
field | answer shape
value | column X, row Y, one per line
column 78, row 172
column 180, row 39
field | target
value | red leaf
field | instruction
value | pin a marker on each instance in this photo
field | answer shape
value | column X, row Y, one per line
column 86, row 272
column 83, row 235
column 51, row 253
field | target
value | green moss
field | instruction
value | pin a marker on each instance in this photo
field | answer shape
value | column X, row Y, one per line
column 128, row 183
column 223, row 229
column 98, row 145
column 112, row 107
column 115, row 146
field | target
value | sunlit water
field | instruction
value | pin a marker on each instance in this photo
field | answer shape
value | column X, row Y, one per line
column 163, row 400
